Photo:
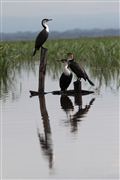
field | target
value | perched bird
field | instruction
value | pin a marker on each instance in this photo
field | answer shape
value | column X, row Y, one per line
column 77, row 68
column 66, row 76
column 42, row 36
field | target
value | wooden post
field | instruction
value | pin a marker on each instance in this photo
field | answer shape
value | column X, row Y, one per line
column 42, row 70
column 77, row 86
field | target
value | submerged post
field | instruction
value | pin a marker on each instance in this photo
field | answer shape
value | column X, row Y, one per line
column 42, row 70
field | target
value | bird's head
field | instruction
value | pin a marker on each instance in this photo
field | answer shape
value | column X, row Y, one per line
column 46, row 20
column 70, row 56
column 64, row 61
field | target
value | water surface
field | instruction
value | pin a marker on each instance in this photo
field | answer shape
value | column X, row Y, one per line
column 56, row 137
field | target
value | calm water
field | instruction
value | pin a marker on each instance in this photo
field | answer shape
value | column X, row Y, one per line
column 55, row 137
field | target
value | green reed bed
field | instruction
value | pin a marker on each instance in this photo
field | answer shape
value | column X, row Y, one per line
column 91, row 51
column 13, row 58
column 99, row 55
column 97, row 52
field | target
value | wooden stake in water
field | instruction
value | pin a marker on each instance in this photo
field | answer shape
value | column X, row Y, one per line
column 42, row 70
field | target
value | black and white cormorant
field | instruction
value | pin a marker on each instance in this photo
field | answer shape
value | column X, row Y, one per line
column 77, row 68
column 42, row 36
column 66, row 76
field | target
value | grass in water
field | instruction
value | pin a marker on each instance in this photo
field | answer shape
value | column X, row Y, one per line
column 99, row 55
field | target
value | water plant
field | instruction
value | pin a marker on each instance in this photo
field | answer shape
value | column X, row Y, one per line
column 99, row 55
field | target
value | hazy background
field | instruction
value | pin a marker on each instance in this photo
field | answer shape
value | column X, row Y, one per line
column 27, row 15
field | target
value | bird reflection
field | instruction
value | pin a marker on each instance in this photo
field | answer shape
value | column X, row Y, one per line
column 45, row 139
column 68, row 107
column 66, row 104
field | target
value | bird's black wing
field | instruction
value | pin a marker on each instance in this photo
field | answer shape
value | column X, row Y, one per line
column 41, row 38
column 78, row 70
column 84, row 72
column 86, row 76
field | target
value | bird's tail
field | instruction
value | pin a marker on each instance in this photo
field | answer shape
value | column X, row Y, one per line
column 90, row 82
column 34, row 52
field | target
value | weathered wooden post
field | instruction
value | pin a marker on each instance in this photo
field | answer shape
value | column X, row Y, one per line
column 77, row 86
column 42, row 70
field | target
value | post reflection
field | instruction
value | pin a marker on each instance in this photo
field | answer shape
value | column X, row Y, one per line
column 74, row 117
column 45, row 138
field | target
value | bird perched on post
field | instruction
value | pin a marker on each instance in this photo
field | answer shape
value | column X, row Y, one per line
column 42, row 36
column 66, row 76
column 77, row 68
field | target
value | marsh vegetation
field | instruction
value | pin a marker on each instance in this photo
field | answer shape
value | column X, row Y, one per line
column 99, row 55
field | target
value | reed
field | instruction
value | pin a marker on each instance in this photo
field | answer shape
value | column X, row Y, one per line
column 99, row 55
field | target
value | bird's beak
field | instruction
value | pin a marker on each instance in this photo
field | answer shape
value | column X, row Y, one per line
column 49, row 19
column 63, row 60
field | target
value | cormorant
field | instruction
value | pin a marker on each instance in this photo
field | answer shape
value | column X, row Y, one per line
column 42, row 36
column 66, row 76
column 77, row 68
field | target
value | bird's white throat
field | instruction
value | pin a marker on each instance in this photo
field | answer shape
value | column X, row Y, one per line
column 66, row 71
column 46, row 26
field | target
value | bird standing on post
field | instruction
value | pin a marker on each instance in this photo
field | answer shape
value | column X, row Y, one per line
column 42, row 36
column 77, row 69
column 66, row 76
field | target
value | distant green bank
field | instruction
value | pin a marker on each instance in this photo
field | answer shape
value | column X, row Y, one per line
column 68, row 34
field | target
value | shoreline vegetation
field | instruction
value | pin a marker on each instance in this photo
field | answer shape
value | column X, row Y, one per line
column 99, row 55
